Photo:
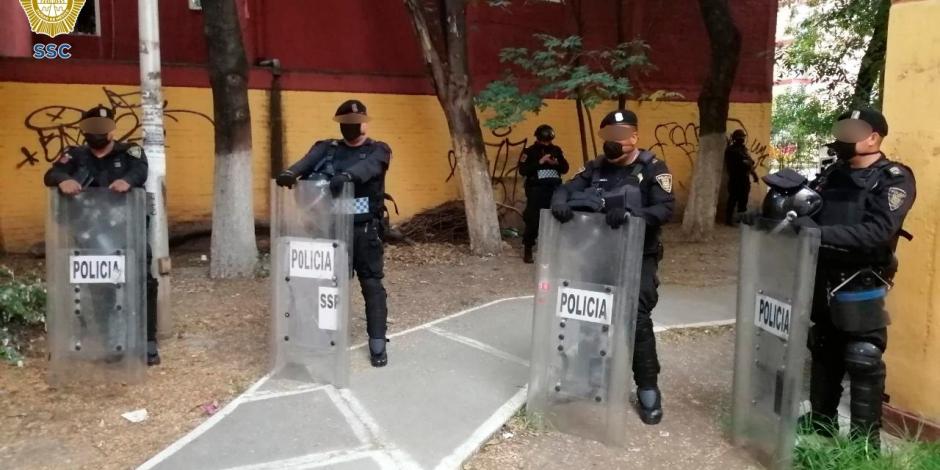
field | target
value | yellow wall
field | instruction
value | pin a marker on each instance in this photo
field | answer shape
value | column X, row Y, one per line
column 911, row 103
column 413, row 126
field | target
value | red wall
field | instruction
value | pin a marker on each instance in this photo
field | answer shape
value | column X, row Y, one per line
column 369, row 45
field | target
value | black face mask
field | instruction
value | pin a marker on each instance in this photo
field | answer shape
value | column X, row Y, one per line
column 350, row 132
column 843, row 150
column 738, row 141
column 613, row 150
column 97, row 141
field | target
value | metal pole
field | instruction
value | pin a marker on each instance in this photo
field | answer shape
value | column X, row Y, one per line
column 151, row 102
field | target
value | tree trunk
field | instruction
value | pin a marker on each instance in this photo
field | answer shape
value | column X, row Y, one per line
column 622, row 99
column 442, row 31
column 873, row 62
column 234, row 252
column 714, row 100
column 581, row 130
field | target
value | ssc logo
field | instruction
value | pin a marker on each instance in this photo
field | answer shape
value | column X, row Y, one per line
column 52, row 17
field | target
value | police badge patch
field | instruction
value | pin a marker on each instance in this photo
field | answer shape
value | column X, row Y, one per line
column 134, row 151
column 665, row 181
column 896, row 197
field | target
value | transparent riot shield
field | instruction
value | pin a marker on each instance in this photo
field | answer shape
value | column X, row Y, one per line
column 96, row 312
column 775, row 295
column 310, row 268
column 588, row 278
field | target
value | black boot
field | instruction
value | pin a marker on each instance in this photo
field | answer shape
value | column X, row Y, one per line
column 377, row 352
column 649, row 405
column 153, row 356
column 527, row 254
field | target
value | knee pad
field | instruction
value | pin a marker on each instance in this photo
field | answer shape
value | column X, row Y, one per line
column 863, row 358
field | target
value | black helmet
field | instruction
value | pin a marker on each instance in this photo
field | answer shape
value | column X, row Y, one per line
column 545, row 132
column 738, row 134
column 804, row 202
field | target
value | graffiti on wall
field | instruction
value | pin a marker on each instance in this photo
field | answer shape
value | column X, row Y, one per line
column 673, row 139
column 56, row 126
column 503, row 166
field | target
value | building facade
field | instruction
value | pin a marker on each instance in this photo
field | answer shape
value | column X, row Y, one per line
column 330, row 50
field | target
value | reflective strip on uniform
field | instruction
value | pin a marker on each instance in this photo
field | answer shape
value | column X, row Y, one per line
column 546, row 174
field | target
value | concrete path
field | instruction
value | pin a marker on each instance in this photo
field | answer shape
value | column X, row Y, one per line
column 450, row 384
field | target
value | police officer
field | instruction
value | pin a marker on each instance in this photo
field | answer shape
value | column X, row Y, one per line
column 739, row 165
column 631, row 181
column 106, row 163
column 542, row 165
column 362, row 161
column 866, row 197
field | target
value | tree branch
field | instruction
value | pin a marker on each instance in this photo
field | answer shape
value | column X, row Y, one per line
column 432, row 56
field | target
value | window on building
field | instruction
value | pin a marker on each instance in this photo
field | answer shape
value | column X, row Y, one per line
column 88, row 19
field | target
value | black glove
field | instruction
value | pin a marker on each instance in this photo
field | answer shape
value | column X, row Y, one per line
column 617, row 217
column 749, row 217
column 286, row 179
column 562, row 211
column 337, row 182
column 803, row 222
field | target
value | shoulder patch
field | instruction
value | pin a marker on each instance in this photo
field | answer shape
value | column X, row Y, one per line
column 134, row 151
column 896, row 198
column 665, row 181
column 895, row 171
column 64, row 158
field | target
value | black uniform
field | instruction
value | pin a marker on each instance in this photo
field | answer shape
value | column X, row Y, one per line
column 541, row 180
column 366, row 166
column 740, row 167
column 861, row 218
column 125, row 161
column 646, row 186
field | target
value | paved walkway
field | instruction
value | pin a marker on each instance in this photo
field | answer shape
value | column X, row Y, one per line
column 450, row 384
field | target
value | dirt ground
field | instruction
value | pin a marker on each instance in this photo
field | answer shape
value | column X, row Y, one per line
column 220, row 346
column 696, row 378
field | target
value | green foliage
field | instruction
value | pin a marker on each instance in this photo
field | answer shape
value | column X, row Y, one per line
column 836, row 34
column 507, row 102
column 22, row 304
column 800, row 125
column 814, row 452
column 843, row 453
column 561, row 68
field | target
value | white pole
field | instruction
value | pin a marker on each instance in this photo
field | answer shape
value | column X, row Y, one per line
column 151, row 102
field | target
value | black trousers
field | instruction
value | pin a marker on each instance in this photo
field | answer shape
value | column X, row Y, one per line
column 738, row 192
column 368, row 264
column 645, row 359
column 537, row 198
column 831, row 360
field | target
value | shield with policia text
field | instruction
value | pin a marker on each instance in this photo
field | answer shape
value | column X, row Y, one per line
column 96, row 275
column 775, row 294
column 310, row 233
column 588, row 278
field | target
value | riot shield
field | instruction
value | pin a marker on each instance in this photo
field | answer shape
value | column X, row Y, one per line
column 775, row 295
column 96, row 274
column 588, row 278
column 310, row 269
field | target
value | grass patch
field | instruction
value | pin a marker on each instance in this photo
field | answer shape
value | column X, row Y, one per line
column 842, row 453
